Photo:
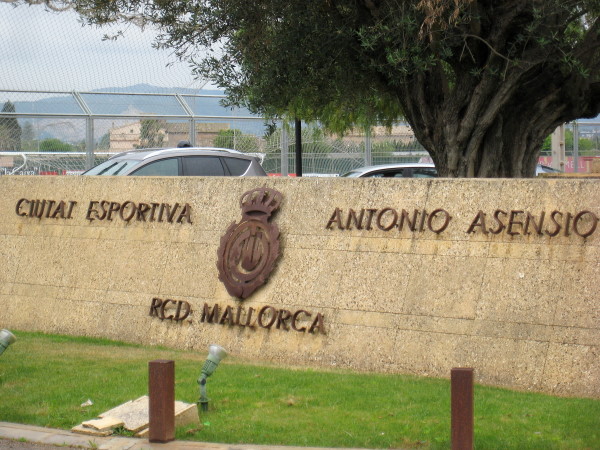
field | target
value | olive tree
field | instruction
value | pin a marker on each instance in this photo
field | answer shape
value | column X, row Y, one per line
column 481, row 82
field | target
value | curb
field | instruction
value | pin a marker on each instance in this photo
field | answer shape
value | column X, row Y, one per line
column 57, row 437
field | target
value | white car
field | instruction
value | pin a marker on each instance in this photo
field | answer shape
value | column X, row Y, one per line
column 412, row 170
column 403, row 170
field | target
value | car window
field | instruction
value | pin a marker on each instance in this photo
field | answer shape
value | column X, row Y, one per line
column 210, row 166
column 386, row 174
column 162, row 167
column 424, row 172
column 112, row 167
column 237, row 166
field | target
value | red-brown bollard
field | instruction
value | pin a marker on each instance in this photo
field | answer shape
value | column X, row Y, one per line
column 161, row 388
column 461, row 381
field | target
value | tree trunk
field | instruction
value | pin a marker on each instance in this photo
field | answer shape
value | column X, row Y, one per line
column 498, row 131
column 484, row 108
column 507, row 148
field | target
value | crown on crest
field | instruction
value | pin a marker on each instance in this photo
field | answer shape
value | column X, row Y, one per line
column 260, row 201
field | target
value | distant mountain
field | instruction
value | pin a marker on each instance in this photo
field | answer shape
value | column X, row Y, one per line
column 119, row 108
column 115, row 101
column 150, row 89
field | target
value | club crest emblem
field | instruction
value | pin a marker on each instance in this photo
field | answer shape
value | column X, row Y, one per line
column 249, row 249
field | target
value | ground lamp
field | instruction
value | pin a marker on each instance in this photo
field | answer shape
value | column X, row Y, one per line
column 6, row 338
column 215, row 354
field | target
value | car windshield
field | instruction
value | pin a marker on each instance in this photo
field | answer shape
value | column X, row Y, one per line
column 547, row 169
column 113, row 167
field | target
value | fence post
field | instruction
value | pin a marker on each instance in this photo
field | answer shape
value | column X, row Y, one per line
column 192, row 132
column 89, row 143
column 161, row 408
column 461, row 381
column 298, row 147
column 89, row 130
column 558, row 148
column 368, row 147
column 575, row 146
column 285, row 168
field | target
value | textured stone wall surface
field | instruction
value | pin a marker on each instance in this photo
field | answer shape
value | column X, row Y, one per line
column 499, row 275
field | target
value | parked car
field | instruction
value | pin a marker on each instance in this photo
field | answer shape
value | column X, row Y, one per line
column 180, row 161
column 412, row 170
column 403, row 170
column 546, row 169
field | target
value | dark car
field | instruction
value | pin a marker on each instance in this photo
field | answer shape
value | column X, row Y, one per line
column 188, row 161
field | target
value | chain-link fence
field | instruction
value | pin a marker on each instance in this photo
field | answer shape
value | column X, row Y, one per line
column 66, row 133
column 62, row 133
column 572, row 147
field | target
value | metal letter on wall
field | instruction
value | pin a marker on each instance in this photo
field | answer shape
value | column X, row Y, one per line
column 249, row 248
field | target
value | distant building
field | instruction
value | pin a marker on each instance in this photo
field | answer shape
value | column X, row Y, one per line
column 205, row 133
column 124, row 137
column 128, row 136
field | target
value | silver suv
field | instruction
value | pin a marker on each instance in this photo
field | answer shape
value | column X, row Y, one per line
column 181, row 161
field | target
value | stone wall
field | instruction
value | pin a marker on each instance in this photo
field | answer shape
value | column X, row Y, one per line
column 403, row 276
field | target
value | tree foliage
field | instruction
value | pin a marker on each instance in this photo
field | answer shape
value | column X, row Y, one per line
column 56, row 145
column 104, row 142
column 236, row 140
column 151, row 133
column 10, row 130
column 586, row 146
column 314, row 140
column 481, row 82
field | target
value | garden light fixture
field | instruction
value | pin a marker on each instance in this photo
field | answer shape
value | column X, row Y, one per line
column 6, row 338
column 215, row 354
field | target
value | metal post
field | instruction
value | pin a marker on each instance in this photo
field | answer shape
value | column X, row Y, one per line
column 89, row 130
column 558, row 148
column 89, row 143
column 298, row 126
column 192, row 122
column 193, row 132
column 285, row 168
column 576, row 146
column 461, row 381
column 161, row 388
column 368, row 148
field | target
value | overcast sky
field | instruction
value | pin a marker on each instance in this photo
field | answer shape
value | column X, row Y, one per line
column 43, row 50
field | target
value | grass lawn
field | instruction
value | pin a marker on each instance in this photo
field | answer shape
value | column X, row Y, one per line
column 45, row 378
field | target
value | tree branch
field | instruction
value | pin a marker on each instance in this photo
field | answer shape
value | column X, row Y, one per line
column 492, row 49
